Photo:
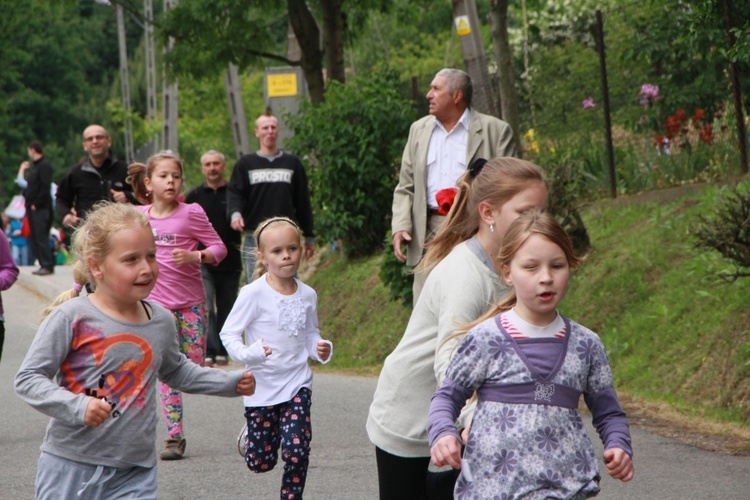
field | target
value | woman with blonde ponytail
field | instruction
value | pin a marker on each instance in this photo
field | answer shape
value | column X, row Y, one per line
column 462, row 284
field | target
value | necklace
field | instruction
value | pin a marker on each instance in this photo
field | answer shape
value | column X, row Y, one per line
column 279, row 287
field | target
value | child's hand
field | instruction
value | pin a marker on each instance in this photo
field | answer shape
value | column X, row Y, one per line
column 446, row 451
column 267, row 349
column 184, row 257
column 97, row 412
column 324, row 350
column 246, row 386
column 619, row 464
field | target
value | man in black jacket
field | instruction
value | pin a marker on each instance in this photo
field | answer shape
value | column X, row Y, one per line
column 39, row 208
column 221, row 282
column 98, row 177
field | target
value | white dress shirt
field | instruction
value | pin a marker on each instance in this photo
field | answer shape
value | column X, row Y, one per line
column 446, row 157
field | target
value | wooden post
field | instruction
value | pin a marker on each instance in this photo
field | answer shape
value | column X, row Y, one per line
column 237, row 113
column 736, row 92
column 605, row 97
column 469, row 32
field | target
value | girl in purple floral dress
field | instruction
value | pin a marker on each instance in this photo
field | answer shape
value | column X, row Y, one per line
column 529, row 366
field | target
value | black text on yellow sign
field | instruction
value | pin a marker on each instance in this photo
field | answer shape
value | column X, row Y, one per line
column 282, row 85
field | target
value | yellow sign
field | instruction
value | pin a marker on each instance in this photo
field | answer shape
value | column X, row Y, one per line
column 462, row 25
column 282, row 84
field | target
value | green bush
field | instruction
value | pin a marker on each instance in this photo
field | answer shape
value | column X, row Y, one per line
column 351, row 145
column 726, row 229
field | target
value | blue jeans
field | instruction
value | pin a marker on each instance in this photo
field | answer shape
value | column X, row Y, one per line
column 21, row 255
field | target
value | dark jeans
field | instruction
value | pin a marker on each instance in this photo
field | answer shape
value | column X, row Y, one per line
column 40, row 222
column 221, row 292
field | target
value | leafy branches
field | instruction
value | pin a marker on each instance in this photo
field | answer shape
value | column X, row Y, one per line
column 727, row 230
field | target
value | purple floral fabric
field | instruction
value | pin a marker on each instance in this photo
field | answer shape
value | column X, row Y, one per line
column 528, row 450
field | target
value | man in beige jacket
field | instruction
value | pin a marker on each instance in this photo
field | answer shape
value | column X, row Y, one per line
column 440, row 148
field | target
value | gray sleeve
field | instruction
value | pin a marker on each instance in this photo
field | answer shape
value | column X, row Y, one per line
column 35, row 382
column 181, row 374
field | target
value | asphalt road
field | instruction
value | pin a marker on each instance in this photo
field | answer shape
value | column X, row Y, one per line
column 342, row 463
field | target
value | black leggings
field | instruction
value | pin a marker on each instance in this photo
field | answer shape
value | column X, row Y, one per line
column 401, row 478
column 409, row 478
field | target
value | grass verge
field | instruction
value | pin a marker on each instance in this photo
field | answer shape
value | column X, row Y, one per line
column 678, row 338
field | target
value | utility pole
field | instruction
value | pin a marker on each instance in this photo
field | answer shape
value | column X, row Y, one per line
column 125, row 83
column 237, row 112
column 148, row 15
column 169, row 98
column 470, row 34
column 605, row 96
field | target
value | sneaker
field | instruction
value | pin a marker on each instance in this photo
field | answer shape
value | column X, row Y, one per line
column 43, row 271
column 174, row 450
column 242, row 441
column 209, row 361
column 222, row 360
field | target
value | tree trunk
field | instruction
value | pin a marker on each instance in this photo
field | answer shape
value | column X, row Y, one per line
column 333, row 29
column 736, row 92
column 505, row 81
column 306, row 30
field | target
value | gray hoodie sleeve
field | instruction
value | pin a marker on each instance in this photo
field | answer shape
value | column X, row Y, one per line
column 35, row 382
column 181, row 374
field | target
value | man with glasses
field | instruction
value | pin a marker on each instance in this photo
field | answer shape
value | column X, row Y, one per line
column 100, row 176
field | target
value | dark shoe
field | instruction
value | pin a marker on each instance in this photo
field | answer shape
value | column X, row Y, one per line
column 43, row 271
column 174, row 450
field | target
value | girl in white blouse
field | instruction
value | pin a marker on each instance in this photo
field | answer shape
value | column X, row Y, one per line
column 278, row 315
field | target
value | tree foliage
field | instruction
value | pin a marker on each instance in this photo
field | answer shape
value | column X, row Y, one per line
column 250, row 33
column 351, row 145
column 58, row 62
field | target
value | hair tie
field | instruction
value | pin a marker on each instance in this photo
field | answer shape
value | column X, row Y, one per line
column 77, row 287
column 476, row 167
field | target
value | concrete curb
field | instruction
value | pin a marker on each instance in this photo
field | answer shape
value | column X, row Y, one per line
column 50, row 286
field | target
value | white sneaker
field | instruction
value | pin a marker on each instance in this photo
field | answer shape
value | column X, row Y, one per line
column 242, row 441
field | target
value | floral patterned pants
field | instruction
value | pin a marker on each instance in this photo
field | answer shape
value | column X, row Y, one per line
column 286, row 424
column 191, row 336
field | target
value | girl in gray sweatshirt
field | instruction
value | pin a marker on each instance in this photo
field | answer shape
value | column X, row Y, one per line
column 95, row 362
